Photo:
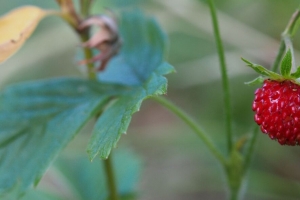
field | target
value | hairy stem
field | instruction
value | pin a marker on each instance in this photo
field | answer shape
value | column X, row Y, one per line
column 110, row 178
column 225, row 81
column 193, row 125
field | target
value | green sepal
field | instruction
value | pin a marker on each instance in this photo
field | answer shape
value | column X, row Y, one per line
column 259, row 80
column 296, row 74
column 286, row 64
column 261, row 70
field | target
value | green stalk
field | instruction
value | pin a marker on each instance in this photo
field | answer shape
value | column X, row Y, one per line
column 88, row 54
column 193, row 125
column 279, row 56
column 250, row 150
column 286, row 38
column 108, row 165
column 85, row 7
column 225, row 82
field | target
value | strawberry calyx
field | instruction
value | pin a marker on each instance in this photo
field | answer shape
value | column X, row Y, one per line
column 285, row 71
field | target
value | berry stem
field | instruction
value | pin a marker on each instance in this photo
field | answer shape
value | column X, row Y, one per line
column 193, row 125
column 289, row 46
column 225, row 82
column 286, row 38
column 279, row 56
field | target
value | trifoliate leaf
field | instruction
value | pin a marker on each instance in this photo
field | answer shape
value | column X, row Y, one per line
column 16, row 27
column 286, row 64
column 38, row 119
column 296, row 74
column 261, row 70
column 257, row 81
column 89, row 179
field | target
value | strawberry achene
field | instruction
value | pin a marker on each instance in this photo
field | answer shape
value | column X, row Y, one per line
column 277, row 111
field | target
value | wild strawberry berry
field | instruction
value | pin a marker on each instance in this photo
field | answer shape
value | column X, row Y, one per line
column 277, row 110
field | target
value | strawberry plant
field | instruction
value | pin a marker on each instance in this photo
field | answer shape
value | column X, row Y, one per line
column 122, row 55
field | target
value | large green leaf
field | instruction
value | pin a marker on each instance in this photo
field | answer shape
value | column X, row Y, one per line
column 89, row 179
column 115, row 120
column 38, row 119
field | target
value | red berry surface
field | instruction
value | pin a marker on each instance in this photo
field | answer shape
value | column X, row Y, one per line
column 277, row 111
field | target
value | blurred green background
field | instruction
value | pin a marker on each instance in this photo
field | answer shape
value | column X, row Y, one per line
column 176, row 165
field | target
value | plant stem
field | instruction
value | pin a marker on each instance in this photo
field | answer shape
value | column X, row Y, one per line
column 234, row 195
column 110, row 178
column 250, row 150
column 85, row 7
column 278, row 58
column 88, row 54
column 108, row 164
column 193, row 125
column 225, row 82
column 286, row 37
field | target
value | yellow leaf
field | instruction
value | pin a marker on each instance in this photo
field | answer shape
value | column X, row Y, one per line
column 16, row 27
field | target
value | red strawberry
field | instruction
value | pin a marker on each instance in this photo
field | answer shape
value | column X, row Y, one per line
column 277, row 111
column 277, row 102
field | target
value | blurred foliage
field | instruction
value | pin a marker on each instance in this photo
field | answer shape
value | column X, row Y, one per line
column 88, row 179
column 176, row 164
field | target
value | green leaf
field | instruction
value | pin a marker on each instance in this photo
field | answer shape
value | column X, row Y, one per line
column 38, row 119
column 257, row 81
column 296, row 74
column 115, row 120
column 88, row 179
column 286, row 64
column 142, row 52
column 261, row 70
